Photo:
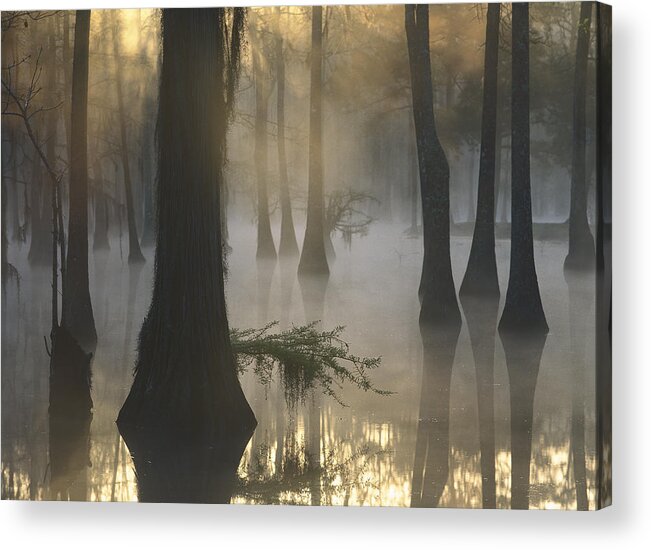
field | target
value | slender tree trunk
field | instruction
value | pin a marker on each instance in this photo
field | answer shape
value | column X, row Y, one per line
column 523, row 310
column 580, row 253
column 100, row 235
column 266, row 248
column 288, row 245
column 67, row 77
column 438, row 297
column 604, row 306
column 77, row 316
column 4, row 241
column 39, row 248
column 185, row 383
column 16, row 234
column 135, row 254
column 50, row 151
column 412, row 168
column 149, row 220
column 313, row 256
column 481, row 272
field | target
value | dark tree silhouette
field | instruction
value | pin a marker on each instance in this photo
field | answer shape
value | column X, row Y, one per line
column 523, row 311
column 266, row 249
column 313, row 257
column 100, row 234
column 135, row 254
column 481, row 272
column 438, row 297
column 77, row 310
column 288, row 245
column 186, row 385
column 580, row 254
column 40, row 194
column 604, row 303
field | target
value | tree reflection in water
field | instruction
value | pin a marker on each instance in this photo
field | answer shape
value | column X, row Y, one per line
column 69, row 418
column 431, row 459
column 523, row 353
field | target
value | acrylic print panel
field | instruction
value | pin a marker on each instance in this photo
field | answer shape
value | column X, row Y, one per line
column 350, row 255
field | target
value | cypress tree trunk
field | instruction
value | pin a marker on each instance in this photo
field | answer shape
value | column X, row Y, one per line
column 77, row 316
column 523, row 311
column 67, row 77
column 604, row 300
column 16, row 233
column 313, row 257
column 40, row 252
column 580, row 253
column 135, row 254
column 185, row 384
column 413, row 180
column 266, row 248
column 481, row 272
column 438, row 297
column 288, row 245
column 100, row 235
column 149, row 220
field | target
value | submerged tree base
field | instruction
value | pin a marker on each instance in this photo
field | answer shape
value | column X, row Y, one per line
column 172, row 470
column 70, row 415
column 439, row 306
column 481, row 279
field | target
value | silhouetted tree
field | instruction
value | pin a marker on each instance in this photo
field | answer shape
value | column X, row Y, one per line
column 135, row 254
column 313, row 257
column 185, row 383
column 481, row 272
column 41, row 226
column 77, row 311
column 288, row 246
column 580, row 254
column 523, row 311
column 266, row 249
column 438, row 297
column 604, row 305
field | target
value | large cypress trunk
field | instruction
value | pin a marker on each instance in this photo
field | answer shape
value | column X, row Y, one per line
column 185, row 384
column 313, row 257
column 481, row 273
column 77, row 316
column 580, row 253
column 438, row 297
column 288, row 246
column 135, row 254
column 266, row 248
column 523, row 310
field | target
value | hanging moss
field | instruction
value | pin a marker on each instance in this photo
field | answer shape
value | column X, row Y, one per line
column 305, row 358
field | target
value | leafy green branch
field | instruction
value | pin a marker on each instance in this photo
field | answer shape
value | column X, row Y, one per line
column 305, row 357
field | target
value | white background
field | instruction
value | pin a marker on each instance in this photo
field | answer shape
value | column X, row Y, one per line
column 624, row 525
